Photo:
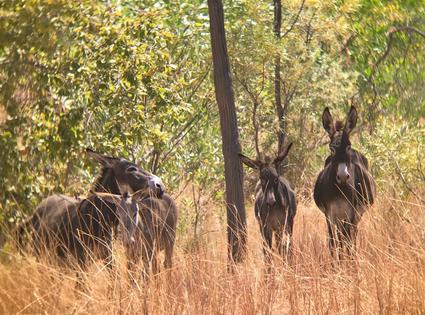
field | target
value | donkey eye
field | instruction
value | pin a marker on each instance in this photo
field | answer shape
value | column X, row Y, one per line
column 131, row 169
column 348, row 148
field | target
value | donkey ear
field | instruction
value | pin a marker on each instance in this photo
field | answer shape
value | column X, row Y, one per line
column 248, row 162
column 351, row 120
column 106, row 161
column 327, row 121
column 282, row 155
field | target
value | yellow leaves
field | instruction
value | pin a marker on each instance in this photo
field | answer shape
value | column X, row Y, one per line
column 312, row 3
column 391, row 12
column 349, row 6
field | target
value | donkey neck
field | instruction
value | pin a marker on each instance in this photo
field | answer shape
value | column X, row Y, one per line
column 106, row 182
column 281, row 198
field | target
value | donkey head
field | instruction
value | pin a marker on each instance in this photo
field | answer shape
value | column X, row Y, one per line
column 340, row 144
column 127, row 212
column 269, row 177
column 129, row 176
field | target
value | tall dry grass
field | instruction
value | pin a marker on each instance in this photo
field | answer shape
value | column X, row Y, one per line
column 387, row 277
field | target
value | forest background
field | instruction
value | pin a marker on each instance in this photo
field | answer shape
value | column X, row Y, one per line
column 134, row 79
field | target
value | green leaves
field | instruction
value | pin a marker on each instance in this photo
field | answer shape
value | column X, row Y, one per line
column 132, row 78
column 112, row 77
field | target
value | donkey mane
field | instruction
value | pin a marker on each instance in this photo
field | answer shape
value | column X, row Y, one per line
column 105, row 179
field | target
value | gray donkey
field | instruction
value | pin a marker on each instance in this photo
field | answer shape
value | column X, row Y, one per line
column 275, row 205
column 72, row 232
column 156, row 231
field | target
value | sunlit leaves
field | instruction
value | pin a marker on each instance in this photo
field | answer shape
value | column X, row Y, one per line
column 121, row 79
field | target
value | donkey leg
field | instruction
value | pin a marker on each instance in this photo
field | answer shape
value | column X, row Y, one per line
column 146, row 257
column 331, row 238
column 346, row 239
column 288, row 238
column 267, row 243
column 353, row 236
column 279, row 242
column 341, row 240
column 109, row 261
column 283, row 244
column 131, row 274
column 355, row 230
column 287, row 247
column 168, row 261
column 154, row 261
column 80, row 285
column 133, row 256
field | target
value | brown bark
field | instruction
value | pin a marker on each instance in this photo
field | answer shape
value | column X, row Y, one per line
column 277, row 24
column 236, row 218
column 280, row 110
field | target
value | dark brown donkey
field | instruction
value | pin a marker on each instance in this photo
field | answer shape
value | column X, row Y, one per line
column 275, row 204
column 156, row 231
column 344, row 188
column 73, row 232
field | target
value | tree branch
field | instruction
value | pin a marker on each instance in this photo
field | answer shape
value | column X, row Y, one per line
column 255, row 101
column 390, row 36
column 400, row 173
column 295, row 20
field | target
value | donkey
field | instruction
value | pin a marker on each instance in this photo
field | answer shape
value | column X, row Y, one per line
column 275, row 205
column 344, row 188
column 156, row 231
column 73, row 232
column 127, row 211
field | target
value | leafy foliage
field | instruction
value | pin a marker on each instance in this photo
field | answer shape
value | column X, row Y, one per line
column 132, row 78
column 112, row 77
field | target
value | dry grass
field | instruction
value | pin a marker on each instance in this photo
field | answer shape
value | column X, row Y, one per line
column 388, row 276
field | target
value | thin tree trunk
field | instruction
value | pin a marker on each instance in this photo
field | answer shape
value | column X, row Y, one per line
column 280, row 111
column 236, row 218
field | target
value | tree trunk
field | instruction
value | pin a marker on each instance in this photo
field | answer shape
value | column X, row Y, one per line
column 236, row 219
column 280, row 111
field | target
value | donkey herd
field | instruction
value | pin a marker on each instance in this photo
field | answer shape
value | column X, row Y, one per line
column 129, row 201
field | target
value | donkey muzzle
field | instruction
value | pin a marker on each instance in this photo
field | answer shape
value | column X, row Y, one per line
column 342, row 174
column 270, row 198
column 156, row 185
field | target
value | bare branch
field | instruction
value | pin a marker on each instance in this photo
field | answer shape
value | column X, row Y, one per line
column 309, row 30
column 390, row 36
column 345, row 48
column 277, row 85
column 199, row 84
column 255, row 101
column 175, row 141
column 400, row 173
column 295, row 19
column 256, row 128
column 348, row 43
